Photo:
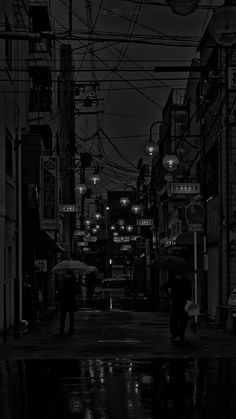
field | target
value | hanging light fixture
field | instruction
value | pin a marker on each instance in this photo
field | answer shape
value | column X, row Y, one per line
column 94, row 230
column 97, row 226
column 121, row 222
column 81, row 188
column 124, row 201
column 95, row 178
column 222, row 25
column 112, row 228
column 170, row 162
column 87, row 222
column 136, row 209
column 183, row 7
column 151, row 148
column 129, row 228
column 115, row 233
column 98, row 216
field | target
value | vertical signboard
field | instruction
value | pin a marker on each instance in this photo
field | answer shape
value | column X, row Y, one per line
column 49, row 193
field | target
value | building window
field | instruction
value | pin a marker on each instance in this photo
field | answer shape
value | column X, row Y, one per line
column 9, row 154
column 8, row 44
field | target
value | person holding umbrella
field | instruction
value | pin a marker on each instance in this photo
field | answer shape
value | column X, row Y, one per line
column 179, row 288
column 67, row 301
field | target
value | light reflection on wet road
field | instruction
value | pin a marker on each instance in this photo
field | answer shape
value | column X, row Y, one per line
column 103, row 389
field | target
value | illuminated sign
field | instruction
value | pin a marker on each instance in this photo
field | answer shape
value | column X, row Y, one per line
column 79, row 233
column 144, row 222
column 121, row 239
column 126, row 247
column 49, row 193
column 92, row 239
column 83, row 243
column 68, row 208
column 185, row 188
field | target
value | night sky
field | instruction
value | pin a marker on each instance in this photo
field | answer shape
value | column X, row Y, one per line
column 130, row 38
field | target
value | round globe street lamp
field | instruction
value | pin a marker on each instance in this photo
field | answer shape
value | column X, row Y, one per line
column 129, row 228
column 98, row 216
column 151, row 148
column 222, row 25
column 136, row 209
column 183, row 7
column 121, row 222
column 81, row 188
column 170, row 162
column 124, row 201
column 95, row 178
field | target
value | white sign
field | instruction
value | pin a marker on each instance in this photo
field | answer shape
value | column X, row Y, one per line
column 121, row 239
column 68, row 208
column 144, row 222
column 185, row 188
column 195, row 227
column 79, row 233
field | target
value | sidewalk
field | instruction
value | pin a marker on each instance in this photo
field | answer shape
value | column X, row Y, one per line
column 115, row 334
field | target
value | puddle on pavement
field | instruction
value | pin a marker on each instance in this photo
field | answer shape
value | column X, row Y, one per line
column 98, row 389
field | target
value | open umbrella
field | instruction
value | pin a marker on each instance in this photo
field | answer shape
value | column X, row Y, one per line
column 175, row 264
column 76, row 266
column 93, row 268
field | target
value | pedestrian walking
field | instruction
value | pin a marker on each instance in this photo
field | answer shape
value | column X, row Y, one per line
column 179, row 288
column 67, row 301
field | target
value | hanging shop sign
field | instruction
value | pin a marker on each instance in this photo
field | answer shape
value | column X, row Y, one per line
column 144, row 222
column 68, row 208
column 41, row 265
column 185, row 188
column 49, row 193
column 79, row 233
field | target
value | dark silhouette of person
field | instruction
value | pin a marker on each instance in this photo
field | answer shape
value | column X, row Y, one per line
column 67, row 301
column 179, row 288
column 90, row 281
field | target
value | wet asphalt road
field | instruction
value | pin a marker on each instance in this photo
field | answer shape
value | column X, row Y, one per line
column 117, row 334
column 118, row 364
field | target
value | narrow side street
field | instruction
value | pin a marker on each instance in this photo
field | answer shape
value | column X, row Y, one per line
column 117, row 334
